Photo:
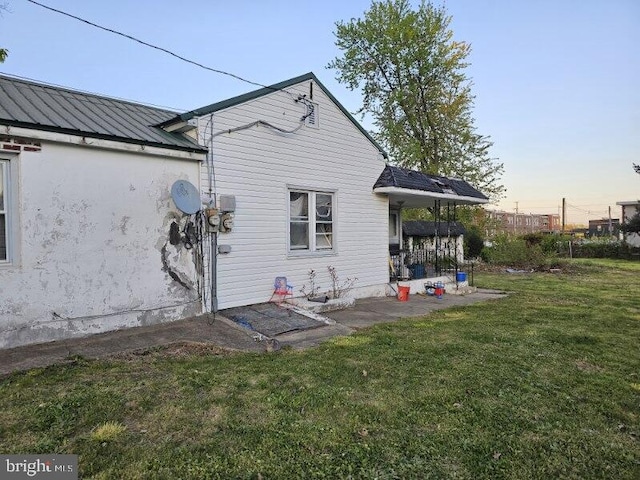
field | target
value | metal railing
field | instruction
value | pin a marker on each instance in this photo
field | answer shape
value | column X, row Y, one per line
column 420, row 263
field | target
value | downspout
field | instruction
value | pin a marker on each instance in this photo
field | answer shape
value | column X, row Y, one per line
column 213, row 244
column 214, row 270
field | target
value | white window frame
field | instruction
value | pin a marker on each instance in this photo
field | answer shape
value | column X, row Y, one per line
column 313, row 249
column 8, row 209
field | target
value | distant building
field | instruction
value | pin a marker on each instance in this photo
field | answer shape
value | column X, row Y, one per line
column 629, row 210
column 501, row 221
column 604, row 227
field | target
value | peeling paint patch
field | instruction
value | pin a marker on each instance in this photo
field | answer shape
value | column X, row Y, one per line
column 123, row 224
column 172, row 273
column 174, row 234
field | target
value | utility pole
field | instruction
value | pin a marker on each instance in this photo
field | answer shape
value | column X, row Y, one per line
column 564, row 213
column 610, row 225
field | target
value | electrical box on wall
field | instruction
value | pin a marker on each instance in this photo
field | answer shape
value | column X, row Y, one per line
column 227, row 203
column 226, row 222
column 213, row 219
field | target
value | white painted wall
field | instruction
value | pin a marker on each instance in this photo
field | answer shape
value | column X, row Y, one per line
column 92, row 226
column 257, row 165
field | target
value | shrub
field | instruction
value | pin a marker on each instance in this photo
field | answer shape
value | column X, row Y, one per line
column 515, row 252
column 554, row 244
column 473, row 243
column 614, row 250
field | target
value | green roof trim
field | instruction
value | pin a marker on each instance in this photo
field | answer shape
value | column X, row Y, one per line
column 231, row 102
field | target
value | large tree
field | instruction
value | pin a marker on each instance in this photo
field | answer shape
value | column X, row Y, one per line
column 412, row 75
column 3, row 51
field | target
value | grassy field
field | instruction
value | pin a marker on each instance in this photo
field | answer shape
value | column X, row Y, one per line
column 542, row 384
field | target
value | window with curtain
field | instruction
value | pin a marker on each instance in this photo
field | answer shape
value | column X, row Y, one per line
column 311, row 217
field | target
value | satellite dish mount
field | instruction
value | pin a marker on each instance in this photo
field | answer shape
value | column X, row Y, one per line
column 186, row 197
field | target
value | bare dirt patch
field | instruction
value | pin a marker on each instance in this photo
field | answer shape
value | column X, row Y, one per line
column 585, row 366
column 175, row 350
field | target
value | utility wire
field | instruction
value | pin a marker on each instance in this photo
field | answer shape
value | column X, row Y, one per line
column 110, row 30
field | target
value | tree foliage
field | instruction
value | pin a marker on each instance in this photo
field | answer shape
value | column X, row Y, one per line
column 473, row 243
column 632, row 225
column 411, row 73
column 3, row 51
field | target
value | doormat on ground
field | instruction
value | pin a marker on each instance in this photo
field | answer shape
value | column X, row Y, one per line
column 269, row 319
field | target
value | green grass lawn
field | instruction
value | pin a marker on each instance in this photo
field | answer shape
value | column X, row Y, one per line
column 542, row 384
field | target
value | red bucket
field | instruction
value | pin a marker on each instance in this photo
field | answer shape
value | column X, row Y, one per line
column 403, row 293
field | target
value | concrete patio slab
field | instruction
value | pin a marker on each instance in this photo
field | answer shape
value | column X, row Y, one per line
column 370, row 311
column 225, row 333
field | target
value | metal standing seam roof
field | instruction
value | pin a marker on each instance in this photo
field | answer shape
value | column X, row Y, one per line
column 399, row 177
column 55, row 109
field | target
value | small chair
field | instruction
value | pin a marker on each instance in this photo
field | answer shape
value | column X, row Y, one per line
column 281, row 289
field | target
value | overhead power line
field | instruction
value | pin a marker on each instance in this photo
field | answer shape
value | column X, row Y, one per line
column 147, row 44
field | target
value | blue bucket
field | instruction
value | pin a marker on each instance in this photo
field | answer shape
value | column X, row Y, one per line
column 461, row 277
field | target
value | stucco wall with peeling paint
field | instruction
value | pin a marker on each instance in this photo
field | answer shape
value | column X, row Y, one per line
column 93, row 251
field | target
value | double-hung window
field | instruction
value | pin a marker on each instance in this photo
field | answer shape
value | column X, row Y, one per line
column 4, row 212
column 311, row 221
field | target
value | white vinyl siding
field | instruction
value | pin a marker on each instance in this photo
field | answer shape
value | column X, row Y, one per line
column 261, row 166
column 311, row 217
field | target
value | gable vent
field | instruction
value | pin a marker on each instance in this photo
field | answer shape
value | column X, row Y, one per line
column 313, row 117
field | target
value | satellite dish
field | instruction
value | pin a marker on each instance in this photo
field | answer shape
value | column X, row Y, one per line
column 186, row 197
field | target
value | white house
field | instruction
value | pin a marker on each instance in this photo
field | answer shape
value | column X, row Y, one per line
column 629, row 210
column 312, row 189
column 301, row 170
column 91, row 239
column 85, row 215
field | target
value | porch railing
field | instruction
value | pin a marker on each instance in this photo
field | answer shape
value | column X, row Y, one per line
column 420, row 263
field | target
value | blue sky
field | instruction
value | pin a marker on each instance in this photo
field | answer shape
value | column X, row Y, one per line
column 556, row 81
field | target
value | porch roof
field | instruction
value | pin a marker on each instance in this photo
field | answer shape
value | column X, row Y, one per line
column 413, row 189
column 423, row 228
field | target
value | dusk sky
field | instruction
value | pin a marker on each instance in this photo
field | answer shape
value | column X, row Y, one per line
column 556, row 81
